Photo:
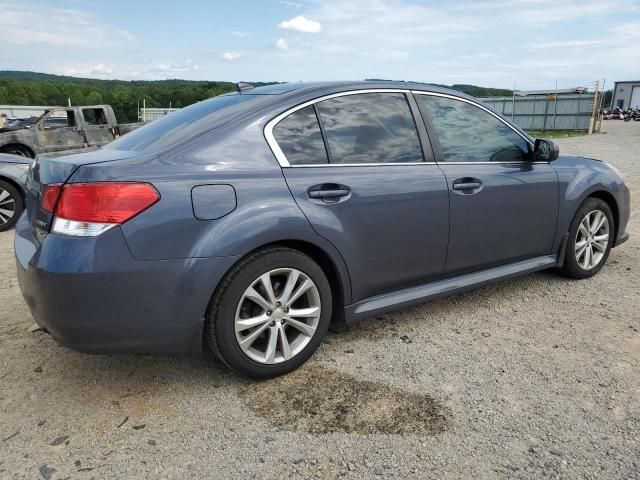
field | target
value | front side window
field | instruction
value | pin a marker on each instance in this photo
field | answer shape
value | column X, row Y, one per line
column 469, row 134
column 370, row 128
column 59, row 119
column 300, row 138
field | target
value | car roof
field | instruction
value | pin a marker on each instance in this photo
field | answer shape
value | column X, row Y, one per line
column 326, row 88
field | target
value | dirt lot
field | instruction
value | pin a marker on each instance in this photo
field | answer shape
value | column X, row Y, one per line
column 532, row 378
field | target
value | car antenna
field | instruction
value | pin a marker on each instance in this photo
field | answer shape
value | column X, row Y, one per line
column 242, row 86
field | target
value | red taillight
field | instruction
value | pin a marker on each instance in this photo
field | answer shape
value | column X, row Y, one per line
column 50, row 195
column 104, row 202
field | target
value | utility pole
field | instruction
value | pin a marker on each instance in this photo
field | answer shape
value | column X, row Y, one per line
column 593, row 108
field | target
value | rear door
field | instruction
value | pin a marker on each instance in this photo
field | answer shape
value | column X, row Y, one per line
column 97, row 129
column 504, row 205
column 355, row 166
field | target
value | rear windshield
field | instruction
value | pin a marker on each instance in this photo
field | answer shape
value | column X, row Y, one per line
column 180, row 125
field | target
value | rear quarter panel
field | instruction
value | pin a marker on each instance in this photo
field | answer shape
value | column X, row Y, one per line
column 236, row 155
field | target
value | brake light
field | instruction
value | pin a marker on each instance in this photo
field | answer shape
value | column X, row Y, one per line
column 50, row 195
column 88, row 209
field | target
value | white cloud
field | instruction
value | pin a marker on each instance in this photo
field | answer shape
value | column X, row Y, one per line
column 291, row 4
column 301, row 24
column 145, row 71
column 231, row 56
column 281, row 44
column 563, row 44
column 241, row 34
column 24, row 24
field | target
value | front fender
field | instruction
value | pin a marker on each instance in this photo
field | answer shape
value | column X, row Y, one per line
column 580, row 178
column 25, row 136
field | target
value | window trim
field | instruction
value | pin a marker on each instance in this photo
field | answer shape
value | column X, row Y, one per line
column 481, row 107
column 281, row 157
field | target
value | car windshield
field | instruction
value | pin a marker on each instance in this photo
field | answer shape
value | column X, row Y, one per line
column 179, row 126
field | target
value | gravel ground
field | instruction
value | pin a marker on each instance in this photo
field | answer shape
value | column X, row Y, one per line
column 530, row 378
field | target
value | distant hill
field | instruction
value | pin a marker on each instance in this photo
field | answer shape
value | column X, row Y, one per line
column 34, row 88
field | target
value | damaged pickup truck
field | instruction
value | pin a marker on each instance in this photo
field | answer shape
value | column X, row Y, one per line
column 64, row 128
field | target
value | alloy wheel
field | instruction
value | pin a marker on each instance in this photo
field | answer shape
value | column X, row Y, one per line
column 7, row 207
column 277, row 316
column 592, row 239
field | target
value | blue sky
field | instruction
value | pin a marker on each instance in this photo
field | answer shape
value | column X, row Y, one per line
column 497, row 43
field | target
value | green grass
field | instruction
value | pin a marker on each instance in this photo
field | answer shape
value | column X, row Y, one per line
column 556, row 133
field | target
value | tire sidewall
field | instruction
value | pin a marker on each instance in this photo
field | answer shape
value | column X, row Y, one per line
column 19, row 205
column 224, row 311
column 571, row 264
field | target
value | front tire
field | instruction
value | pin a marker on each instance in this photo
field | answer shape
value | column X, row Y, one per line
column 591, row 236
column 11, row 205
column 270, row 313
column 19, row 150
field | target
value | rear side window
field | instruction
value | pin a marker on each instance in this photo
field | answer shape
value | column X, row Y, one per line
column 370, row 128
column 94, row 116
column 469, row 134
column 300, row 138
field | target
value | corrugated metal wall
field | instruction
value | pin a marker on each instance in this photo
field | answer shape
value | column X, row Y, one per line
column 542, row 112
column 149, row 114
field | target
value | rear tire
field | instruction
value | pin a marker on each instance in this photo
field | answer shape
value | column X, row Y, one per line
column 263, row 332
column 11, row 205
column 591, row 236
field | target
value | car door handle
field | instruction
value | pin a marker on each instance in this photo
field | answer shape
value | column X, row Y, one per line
column 334, row 193
column 467, row 184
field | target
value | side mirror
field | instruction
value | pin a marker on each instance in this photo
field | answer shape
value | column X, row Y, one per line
column 545, row 150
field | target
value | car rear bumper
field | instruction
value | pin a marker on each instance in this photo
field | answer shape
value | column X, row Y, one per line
column 91, row 295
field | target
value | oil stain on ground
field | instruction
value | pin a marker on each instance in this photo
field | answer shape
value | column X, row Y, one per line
column 320, row 400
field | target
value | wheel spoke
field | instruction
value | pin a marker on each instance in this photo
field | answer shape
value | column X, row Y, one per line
column 599, row 247
column 246, row 342
column 292, row 279
column 584, row 230
column 310, row 312
column 581, row 251
column 253, row 295
column 247, row 323
column 284, row 343
column 304, row 286
column 8, row 213
column 587, row 258
column 270, row 353
column 303, row 327
column 602, row 238
column 597, row 222
column 579, row 245
column 268, row 287
column 3, row 194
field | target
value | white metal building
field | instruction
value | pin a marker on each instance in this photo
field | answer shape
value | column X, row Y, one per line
column 22, row 111
column 626, row 95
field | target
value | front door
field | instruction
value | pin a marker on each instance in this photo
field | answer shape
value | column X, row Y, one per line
column 362, row 182
column 504, row 205
column 59, row 130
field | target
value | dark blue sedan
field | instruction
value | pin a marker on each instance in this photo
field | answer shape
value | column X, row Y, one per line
column 249, row 222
